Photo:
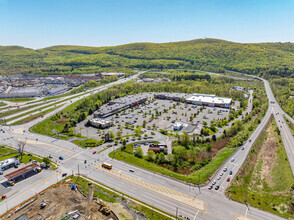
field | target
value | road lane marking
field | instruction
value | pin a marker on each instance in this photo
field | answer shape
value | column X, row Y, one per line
column 34, row 142
column 185, row 195
column 196, row 215
column 242, row 217
column 175, row 192
column 157, row 188
column 166, row 192
column 171, row 191
column 163, row 190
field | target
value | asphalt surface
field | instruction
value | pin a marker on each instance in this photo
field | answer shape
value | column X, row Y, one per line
column 216, row 205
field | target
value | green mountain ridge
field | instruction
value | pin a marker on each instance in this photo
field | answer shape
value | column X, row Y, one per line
column 202, row 54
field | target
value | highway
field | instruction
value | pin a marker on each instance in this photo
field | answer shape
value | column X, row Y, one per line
column 160, row 191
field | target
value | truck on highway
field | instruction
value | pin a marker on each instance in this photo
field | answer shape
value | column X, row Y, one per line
column 107, row 166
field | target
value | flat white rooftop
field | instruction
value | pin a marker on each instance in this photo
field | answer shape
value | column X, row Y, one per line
column 100, row 121
column 209, row 99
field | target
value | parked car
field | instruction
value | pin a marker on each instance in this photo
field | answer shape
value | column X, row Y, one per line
column 64, row 174
column 231, row 172
column 217, row 187
column 232, row 160
column 228, row 180
column 94, row 152
column 60, row 158
column 132, row 170
column 213, row 182
column 210, row 187
column 225, row 169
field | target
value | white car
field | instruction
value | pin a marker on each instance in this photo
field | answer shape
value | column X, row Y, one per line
column 219, row 178
column 213, row 182
column 232, row 160
column 221, row 173
column 131, row 170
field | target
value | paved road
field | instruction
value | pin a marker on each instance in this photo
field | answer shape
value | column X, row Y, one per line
column 164, row 193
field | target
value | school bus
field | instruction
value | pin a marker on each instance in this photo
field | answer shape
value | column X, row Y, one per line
column 107, row 166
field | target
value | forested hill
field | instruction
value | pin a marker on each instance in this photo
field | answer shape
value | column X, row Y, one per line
column 201, row 54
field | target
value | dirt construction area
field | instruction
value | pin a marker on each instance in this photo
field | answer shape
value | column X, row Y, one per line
column 62, row 203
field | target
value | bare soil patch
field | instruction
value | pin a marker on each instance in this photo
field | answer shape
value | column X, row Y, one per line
column 59, row 202
column 31, row 119
column 61, row 120
column 267, row 155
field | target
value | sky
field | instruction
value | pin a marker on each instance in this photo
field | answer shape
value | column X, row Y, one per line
column 42, row 23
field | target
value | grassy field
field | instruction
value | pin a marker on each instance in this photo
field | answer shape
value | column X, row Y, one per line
column 89, row 141
column 19, row 99
column 2, row 104
column 113, row 197
column 291, row 125
column 5, row 152
column 8, row 152
column 266, row 176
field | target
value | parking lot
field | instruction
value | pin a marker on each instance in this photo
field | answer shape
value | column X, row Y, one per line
column 157, row 114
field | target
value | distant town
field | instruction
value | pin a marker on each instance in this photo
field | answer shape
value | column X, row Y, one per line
column 28, row 85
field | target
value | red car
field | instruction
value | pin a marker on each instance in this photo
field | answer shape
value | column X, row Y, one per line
column 228, row 180
column 94, row 152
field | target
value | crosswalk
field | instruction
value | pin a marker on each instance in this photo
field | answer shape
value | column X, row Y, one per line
column 150, row 186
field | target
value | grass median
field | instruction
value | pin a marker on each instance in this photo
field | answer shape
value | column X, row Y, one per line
column 28, row 119
column 265, row 181
column 18, row 99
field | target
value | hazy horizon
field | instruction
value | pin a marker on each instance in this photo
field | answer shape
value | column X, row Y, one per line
column 40, row 24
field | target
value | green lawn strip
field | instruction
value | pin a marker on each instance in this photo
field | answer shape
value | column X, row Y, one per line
column 4, row 150
column 56, row 103
column 150, row 214
column 8, row 152
column 36, row 115
column 26, row 159
column 141, row 206
column 290, row 125
column 104, row 197
column 275, row 198
column 4, row 114
column 89, row 141
column 2, row 104
column 18, row 99
column 5, row 157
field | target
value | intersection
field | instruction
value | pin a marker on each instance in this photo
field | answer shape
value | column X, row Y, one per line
column 156, row 190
